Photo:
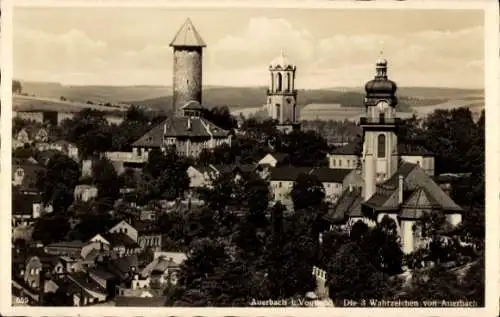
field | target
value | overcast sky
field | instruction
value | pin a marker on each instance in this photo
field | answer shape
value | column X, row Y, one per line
column 331, row 47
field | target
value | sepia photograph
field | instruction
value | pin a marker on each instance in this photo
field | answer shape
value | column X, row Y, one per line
column 248, row 156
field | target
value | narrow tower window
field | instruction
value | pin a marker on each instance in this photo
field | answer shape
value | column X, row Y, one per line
column 381, row 145
column 278, row 111
column 279, row 82
column 289, row 82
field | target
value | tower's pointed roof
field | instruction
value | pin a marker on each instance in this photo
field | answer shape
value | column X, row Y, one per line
column 187, row 36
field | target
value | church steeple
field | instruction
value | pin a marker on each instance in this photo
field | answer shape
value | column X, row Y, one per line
column 281, row 95
column 380, row 124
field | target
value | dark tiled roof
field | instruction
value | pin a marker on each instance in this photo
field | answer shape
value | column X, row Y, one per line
column 348, row 205
column 330, row 175
column 143, row 226
column 288, row 173
column 77, row 244
column 120, row 239
column 280, row 157
column 87, row 282
column 231, row 168
column 102, row 273
column 124, row 264
column 180, row 127
column 348, row 149
column 23, row 204
column 414, row 178
column 140, row 301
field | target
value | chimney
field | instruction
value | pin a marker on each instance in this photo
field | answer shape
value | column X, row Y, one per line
column 400, row 189
column 370, row 176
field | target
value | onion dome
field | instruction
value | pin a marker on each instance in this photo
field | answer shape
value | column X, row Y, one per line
column 282, row 62
column 381, row 84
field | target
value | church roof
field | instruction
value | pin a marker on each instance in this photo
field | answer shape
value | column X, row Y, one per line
column 180, row 127
column 187, row 36
column 348, row 205
column 419, row 201
column 420, row 193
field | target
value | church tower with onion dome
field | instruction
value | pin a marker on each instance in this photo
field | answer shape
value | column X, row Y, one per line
column 380, row 123
column 281, row 94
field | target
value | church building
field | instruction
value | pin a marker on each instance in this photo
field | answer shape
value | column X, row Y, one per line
column 185, row 130
column 282, row 95
column 392, row 186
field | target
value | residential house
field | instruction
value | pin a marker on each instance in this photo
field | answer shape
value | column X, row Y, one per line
column 24, row 175
column 187, row 135
column 275, row 159
column 200, row 176
column 336, row 180
column 164, row 268
column 85, row 192
column 25, row 209
column 281, row 181
column 148, row 235
column 74, row 249
column 126, row 228
column 90, row 286
column 68, row 148
column 348, row 156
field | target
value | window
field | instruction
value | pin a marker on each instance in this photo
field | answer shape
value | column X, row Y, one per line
column 381, row 145
column 340, row 163
column 278, row 111
column 20, row 172
column 279, row 82
column 280, row 184
column 333, row 162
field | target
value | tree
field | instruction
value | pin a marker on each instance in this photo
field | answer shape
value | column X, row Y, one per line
column 90, row 131
column 351, row 275
column 164, row 177
column 304, row 148
column 221, row 117
column 58, row 182
column 382, row 244
column 51, row 228
column 307, row 192
column 199, row 272
column 106, row 179
column 16, row 87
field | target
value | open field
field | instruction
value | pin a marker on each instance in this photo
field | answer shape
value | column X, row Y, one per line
column 338, row 103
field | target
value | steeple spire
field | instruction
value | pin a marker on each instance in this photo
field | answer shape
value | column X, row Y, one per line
column 187, row 36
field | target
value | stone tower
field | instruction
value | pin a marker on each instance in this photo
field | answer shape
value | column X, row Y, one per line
column 281, row 95
column 188, row 64
column 380, row 141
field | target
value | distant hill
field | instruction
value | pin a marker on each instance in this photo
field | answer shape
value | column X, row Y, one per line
column 158, row 98
column 250, row 97
column 30, row 103
column 96, row 94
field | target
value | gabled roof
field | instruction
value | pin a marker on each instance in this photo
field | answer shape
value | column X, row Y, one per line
column 348, row 205
column 23, row 204
column 287, row 173
column 183, row 127
column 187, row 36
column 348, row 149
column 330, row 175
column 120, row 239
column 417, row 203
column 414, row 179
